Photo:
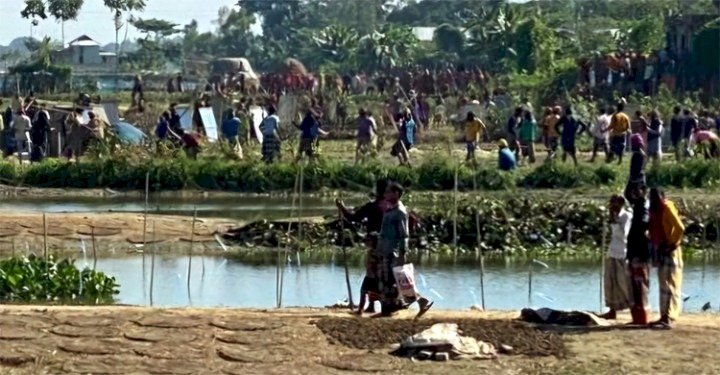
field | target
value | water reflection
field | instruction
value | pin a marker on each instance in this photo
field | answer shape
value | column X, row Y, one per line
column 217, row 282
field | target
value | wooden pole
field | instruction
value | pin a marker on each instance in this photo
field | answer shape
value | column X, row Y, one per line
column 602, row 262
column 300, row 199
column 530, row 277
column 351, row 304
column 92, row 234
column 152, row 264
column 455, row 213
column 12, row 243
column 45, row 247
column 147, row 194
column 190, row 250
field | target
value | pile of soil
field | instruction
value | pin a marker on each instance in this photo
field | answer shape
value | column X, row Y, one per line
column 381, row 333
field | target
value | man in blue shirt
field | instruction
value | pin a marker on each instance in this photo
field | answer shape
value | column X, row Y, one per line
column 506, row 158
column 231, row 130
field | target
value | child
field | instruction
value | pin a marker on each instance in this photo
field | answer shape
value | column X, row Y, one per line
column 370, row 289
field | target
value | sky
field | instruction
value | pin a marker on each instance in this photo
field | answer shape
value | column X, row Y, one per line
column 97, row 21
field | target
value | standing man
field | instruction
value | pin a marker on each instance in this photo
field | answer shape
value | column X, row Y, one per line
column 366, row 134
column 271, row 139
column 619, row 128
column 528, row 135
column 391, row 250
column 549, row 125
column 666, row 234
column 600, row 134
column 616, row 278
column 21, row 125
column 231, row 130
column 511, row 127
column 474, row 131
column 676, row 131
column 569, row 127
column 654, row 137
column 309, row 132
column 638, row 253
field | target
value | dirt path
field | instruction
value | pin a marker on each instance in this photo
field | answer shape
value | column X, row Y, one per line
column 113, row 232
column 117, row 340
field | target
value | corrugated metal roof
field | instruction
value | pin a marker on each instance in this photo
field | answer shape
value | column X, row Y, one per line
column 83, row 41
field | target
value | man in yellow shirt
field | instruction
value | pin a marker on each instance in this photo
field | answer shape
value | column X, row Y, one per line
column 619, row 128
column 474, row 131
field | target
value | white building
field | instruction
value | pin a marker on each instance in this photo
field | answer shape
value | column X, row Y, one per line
column 84, row 54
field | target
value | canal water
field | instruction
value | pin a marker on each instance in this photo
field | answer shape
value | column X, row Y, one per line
column 221, row 282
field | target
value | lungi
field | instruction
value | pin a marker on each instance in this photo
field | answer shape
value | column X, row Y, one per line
column 640, row 285
column 617, row 284
column 670, row 282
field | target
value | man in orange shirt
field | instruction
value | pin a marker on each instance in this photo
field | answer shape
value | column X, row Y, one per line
column 619, row 128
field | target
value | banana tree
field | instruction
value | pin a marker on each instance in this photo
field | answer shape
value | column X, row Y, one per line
column 493, row 33
column 391, row 47
column 335, row 43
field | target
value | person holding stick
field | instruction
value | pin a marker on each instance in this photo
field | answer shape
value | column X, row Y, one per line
column 391, row 250
column 371, row 215
column 616, row 277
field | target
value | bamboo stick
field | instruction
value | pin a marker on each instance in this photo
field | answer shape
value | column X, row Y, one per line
column 455, row 213
column 190, row 250
column 152, row 264
column 602, row 262
column 530, row 277
column 45, row 235
column 351, row 304
column 92, row 234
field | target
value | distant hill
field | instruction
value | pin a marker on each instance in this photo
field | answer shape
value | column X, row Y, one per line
column 127, row 46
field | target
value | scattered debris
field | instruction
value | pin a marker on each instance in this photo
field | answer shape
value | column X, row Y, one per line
column 383, row 333
column 443, row 342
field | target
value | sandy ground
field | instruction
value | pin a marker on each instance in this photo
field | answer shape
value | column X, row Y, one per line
column 115, row 233
column 114, row 339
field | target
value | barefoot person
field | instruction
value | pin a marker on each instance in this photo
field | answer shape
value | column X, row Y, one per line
column 474, row 131
column 391, row 250
column 371, row 215
column 666, row 234
column 617, row 279
column 638, row 253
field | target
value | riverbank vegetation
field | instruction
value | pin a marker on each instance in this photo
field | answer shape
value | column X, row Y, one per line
column 37, row 280
column 512, row 227
column 123, row 171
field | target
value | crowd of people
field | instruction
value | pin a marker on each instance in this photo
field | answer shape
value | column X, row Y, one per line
column 611, row 132
column 648, row 235
column 25, row 128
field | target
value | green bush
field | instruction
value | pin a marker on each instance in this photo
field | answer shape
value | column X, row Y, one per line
column 216, row 173
column 34, row 279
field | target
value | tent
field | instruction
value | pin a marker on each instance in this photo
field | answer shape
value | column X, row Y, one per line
column 129, row 134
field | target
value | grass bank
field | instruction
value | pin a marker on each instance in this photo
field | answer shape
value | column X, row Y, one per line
column 252, row 176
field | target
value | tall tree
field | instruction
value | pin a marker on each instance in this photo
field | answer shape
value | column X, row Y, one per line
column 118, row 7
column 61, row 10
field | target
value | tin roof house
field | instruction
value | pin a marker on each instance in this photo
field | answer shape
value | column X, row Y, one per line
column 84, row 54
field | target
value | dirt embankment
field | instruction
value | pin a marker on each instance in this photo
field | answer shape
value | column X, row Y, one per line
column 114, row 339
column 114, row 233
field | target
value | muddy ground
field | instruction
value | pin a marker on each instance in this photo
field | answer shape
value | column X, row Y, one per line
column 114, row 340
column 115, row 233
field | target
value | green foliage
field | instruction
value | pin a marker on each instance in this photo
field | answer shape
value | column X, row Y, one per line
column 705, row 48
column 448, row 38
column 646, row 35
column 34, row 279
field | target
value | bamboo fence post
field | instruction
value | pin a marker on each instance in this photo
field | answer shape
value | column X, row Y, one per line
column 351, row 304
column 45, row 235
column 12, row 244
column 152, row 264
column 190, row 250
column 602, row 262
column 455, row 213
column 92, row 234
column 530, row 277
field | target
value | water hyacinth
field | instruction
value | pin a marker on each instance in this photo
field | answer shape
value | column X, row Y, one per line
column 34, row 279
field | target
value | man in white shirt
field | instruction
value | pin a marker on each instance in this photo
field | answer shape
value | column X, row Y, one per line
column 21, row 125
column 600, row 133
column 617, row 278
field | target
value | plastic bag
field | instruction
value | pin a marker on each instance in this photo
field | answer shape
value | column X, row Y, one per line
column 405, row 280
